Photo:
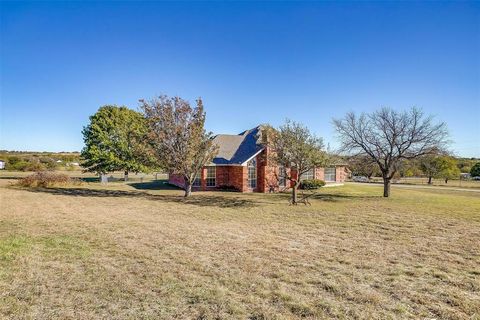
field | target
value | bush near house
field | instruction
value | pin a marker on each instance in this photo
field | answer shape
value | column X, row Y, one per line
column 312, row 184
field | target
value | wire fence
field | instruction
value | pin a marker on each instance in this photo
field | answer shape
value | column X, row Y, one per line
column 436, row 182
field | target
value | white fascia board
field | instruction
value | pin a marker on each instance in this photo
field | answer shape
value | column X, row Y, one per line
column 256, row 154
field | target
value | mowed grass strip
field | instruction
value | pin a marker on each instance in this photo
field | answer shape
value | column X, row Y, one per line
column 130, row 251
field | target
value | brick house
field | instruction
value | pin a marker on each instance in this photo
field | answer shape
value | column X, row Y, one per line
column 242, row 165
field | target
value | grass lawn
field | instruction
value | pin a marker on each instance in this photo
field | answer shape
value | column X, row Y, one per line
column 455, row 183
column 129, row 251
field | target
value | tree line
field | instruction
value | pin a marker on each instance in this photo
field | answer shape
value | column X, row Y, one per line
column 168, row 133
column 445, row 166
column 39, row 161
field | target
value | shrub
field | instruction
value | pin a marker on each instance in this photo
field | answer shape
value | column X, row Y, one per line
column 18, row 166
column 228, row 188
column 312, row 184
column 46, row 179
column 475, row 171
column 35, row 166
column 15, row 163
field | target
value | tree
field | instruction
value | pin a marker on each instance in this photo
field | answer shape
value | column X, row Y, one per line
column 388, row 137
column 113, row 141
column 465, row 165
column 409, row 168
column 293, row 146
column 475, row 171
column 178, row 137
column 451, row 169
column 362, row 166
column 439, row 166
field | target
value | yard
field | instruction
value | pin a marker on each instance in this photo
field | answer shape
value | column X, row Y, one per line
column 138, row 250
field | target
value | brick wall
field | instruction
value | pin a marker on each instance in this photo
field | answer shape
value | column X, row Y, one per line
column 268, row 175
column 238, row 178
column 222, row 176
column 320, row 173
column 176, row 180
column 340, row 174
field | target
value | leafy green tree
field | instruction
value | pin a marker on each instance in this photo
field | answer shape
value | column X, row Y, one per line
column 178, row 138
column 293, row 146
column 451, row 170
column 409, row 168
column 475, row 171
column 114, row 140
column 439, row 166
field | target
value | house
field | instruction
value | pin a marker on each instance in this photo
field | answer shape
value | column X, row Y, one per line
column 2, row 164
column 242, row 165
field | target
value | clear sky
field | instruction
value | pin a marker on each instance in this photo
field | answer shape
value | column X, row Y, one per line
column 251, row 62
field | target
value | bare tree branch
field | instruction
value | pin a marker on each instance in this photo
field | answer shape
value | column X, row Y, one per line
column 388, row 136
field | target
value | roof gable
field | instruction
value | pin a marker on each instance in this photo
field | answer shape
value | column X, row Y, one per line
column 236, row 149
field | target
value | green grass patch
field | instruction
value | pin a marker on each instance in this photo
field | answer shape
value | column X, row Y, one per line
column 13, row 246
column 64, row 245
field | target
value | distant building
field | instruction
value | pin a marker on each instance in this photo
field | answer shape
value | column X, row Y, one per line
column 2, row 165
column 465, row 175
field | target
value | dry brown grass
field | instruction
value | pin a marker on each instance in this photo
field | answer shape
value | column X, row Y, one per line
column 126, row 252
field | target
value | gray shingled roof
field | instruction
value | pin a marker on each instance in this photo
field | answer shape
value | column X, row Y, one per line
column 236, row 149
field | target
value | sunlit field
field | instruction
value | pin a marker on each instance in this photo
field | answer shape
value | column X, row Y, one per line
column 457, row 183
column 139, row 250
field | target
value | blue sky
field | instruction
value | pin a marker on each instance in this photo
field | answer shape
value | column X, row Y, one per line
column 251, row 62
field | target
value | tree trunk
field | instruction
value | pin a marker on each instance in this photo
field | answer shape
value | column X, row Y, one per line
column 386, row 187
column 430, row 180
column 188, row 189
column 103, row 178
column 446, row 180
column 294, row 193
column 125, row 177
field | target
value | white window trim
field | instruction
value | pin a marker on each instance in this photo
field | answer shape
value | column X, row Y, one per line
column 256, row 154
column 206, row 177
column 256, row 175
column 325, row 174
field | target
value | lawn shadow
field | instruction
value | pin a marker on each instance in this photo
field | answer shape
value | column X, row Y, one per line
column 154, row 185
column 214, row 200
column 335, row 197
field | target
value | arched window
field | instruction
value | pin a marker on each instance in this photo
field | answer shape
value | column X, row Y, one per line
column 252, row 173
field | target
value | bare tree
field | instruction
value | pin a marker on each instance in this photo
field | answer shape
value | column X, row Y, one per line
column 388, row 136
column 293, row 146
column 178, row 138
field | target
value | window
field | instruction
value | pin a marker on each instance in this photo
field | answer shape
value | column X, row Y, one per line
column 197, row 181
column 252, row 173
column 330, row 174
column 210, row 179
column 309, row 175
column 282, row 176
